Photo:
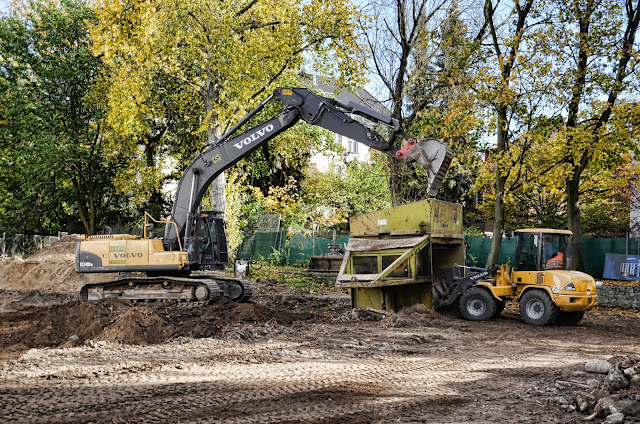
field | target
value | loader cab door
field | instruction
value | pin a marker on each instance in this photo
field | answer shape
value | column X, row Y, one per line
column 212, row 242
column 555, row 251
column 528, row 252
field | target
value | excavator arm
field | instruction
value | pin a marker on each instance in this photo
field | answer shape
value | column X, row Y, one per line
column 299, row 104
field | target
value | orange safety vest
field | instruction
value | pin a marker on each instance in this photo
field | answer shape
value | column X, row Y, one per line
column 557, row 262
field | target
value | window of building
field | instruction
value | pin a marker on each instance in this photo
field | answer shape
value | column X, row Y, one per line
column 352, row 146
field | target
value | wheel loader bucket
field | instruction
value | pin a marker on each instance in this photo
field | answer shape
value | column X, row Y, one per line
column 433, row 156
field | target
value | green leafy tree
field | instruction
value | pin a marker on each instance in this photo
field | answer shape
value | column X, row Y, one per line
column 515, row 80
column 441, row 94
column 420, row 55
column 195, row 67
column 335, row 195
column 598, row 85
column 565, row 114
column 54, row 167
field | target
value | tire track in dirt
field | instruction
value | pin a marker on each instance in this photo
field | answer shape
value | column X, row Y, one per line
column 240, row 392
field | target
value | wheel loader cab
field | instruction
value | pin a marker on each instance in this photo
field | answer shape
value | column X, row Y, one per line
column 542, row 249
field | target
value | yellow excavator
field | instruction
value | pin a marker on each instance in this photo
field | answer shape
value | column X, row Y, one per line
column 153, row 268
column 540, row 281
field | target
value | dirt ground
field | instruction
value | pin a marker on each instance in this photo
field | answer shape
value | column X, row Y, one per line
column 288, row 356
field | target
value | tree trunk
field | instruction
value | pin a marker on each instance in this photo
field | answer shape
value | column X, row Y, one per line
column 149, row 153
column 81, row 208
column 573, row 219
column 218, row 194
column 498, row 210
column 395, row 181
column 498, row 222
column 218, row 186
column 156, row 204
column 92, row 209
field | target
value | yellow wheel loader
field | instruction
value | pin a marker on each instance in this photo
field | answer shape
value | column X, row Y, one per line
column 540, row 281
column 195, row 240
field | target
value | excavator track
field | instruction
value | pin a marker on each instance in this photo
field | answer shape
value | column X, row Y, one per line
column 236, row 289
column 193, row 289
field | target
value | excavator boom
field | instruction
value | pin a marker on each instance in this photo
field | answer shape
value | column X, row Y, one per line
column 299, row 104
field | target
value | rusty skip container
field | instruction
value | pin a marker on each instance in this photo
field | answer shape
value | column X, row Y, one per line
column 394, row 255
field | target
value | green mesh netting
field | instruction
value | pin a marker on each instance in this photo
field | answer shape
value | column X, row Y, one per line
column 302, row 247
column 261, row 244
column 594, row 251
column 478, row 252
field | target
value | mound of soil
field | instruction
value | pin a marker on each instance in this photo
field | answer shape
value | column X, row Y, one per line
column 63, row 249
column 136, row 326
column 72, row 323
column 411, row 316
column 50, row 269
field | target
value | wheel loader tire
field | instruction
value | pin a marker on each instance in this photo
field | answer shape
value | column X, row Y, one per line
column 569, row 318
column 477, row 304
column 500, row 304
column 537, row 308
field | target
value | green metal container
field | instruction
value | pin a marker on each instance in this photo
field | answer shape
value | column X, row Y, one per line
column 394, row 255
column 423, row 217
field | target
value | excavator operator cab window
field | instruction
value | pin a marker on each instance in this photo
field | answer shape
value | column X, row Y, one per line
column 205, row 234
column 213, row 242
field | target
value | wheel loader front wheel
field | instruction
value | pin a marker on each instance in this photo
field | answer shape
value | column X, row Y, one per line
column 477, row 304
column 537, row 308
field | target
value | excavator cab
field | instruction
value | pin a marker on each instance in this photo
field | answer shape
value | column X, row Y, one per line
column 210, row 246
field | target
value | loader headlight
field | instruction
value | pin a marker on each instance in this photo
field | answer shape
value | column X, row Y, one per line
column 599, row 283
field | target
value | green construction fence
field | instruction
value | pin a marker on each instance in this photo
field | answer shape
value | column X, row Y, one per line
column 299, row 249
column 261, row 244
column 302, row 247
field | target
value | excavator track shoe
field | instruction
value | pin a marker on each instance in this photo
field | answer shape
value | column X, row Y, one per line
column 145, row 289
column 213, row 290
column 236, row 289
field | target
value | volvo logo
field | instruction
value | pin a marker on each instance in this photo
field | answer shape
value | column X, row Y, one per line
column 253, row 137
column 127, row 255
